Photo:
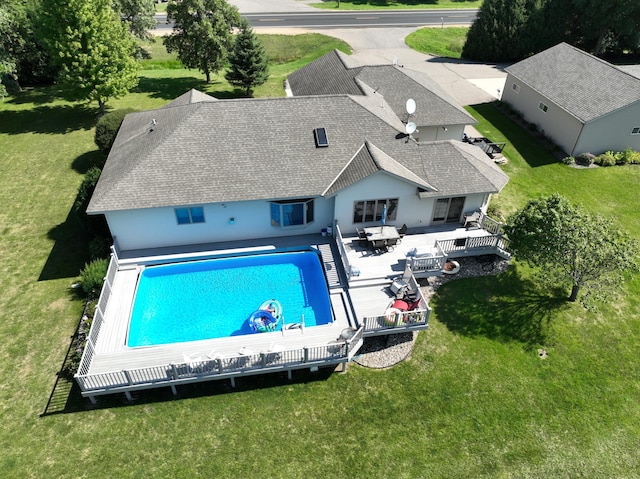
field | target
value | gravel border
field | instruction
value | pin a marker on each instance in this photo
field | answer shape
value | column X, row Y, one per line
column 381, row 352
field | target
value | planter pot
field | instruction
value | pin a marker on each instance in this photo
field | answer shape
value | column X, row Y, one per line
column 451, row 267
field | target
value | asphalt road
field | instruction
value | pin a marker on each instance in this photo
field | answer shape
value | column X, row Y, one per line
column 377, row 41
column 351, row 19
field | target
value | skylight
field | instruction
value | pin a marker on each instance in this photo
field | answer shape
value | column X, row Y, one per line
column 321, row 137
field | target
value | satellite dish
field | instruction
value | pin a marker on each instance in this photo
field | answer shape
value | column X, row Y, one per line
column 411, row 127
column 411, row 106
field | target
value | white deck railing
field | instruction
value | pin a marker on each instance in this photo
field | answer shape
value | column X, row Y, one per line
column 173, row 374
column 98, row 316
column 408, row 320
column 343, row 253
column 474, row 245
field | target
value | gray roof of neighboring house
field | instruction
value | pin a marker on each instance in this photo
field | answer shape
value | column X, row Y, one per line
column 264, row 149
column 583, row 85
column 192, row 96
column 331, row 74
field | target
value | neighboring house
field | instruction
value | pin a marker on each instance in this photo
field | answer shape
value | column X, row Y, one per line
column 436, row 116
column 201, row 170
column 582, row 102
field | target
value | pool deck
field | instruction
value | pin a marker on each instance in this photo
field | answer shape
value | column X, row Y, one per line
column 366, row 295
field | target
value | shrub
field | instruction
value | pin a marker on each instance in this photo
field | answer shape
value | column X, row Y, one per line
column 85, row 191
column 632, row 157
column 605, row 159
column 107, row 129
column 585, row 159
column 92, row 276
column 99, row 247
column 569, row 160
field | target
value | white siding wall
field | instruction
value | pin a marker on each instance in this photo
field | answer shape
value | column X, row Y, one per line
column 611, row 132
column 158, row 227
column 563, row 128
column 411, row 209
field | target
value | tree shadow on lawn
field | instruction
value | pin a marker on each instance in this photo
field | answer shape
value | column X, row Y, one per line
column 171, row 88
column 86, row 161
column 70, row 250
column 57, row 119
column 505, row 308
column 519, row 138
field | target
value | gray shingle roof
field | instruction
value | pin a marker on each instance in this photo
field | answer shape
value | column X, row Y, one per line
column 192, row 96
column 583, row 85
column 459, row 169
column 253, row 149
column 326, row 75
column 331, row 74
column 370, row 160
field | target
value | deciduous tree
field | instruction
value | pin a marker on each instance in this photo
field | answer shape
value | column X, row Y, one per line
column 94, row 49
column 249, row 64
column 202, row 33
column 585, row 252
column 138, row 15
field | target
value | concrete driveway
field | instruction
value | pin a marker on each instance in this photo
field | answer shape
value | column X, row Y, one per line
column 469, row 83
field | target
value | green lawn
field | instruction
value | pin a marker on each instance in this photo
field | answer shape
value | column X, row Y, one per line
column 474, row 400
column 442, row 42
column 397, row 5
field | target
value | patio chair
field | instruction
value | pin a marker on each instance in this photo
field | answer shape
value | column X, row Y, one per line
column 391, row 243
column 362, row 237
column 402, row 231
column 379, row 246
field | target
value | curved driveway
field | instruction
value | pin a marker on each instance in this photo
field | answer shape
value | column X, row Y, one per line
column 468, row 82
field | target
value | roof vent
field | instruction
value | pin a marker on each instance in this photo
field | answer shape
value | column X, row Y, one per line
column 321, row 137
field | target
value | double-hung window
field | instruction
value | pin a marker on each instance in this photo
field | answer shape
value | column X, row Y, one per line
column 543, row 107
column 186, row 216
column 292, row 212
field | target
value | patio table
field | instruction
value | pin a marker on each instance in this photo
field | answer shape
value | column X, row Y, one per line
column 377, row 233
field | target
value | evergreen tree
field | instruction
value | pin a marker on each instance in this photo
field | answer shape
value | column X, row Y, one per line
column 497, row 34
column 202, row 33
column 249, row 64
column 94, row 49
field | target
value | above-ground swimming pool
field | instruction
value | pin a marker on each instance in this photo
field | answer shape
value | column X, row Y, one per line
column 213, row 298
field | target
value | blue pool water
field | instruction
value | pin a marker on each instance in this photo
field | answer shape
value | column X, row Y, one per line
column 214, row 298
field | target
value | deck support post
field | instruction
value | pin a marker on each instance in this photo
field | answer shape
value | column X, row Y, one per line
column 233, row 382
column 93, row 400
column 128, row 394
column 289, row 375
column 174, row 390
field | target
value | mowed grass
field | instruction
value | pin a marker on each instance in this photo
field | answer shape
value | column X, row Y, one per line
column 442, row 42
column 474, row 400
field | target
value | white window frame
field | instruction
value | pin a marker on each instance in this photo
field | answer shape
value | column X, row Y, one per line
column 278, row 213
column 515, row 87
column 370, row 211
column 543, row 106
column 635, row 130
column 190, row 215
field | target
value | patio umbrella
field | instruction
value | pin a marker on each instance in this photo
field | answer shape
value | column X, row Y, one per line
column 383, row 218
